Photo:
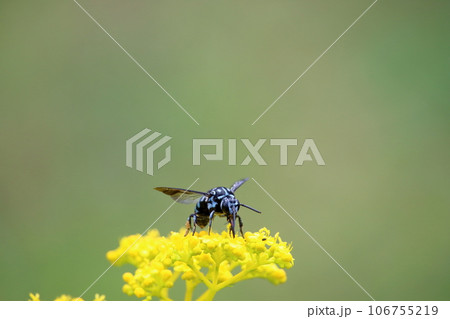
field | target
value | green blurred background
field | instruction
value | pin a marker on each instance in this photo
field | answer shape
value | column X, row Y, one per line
column 376, row 105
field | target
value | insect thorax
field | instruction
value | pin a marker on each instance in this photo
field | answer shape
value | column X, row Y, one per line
column 211, row 202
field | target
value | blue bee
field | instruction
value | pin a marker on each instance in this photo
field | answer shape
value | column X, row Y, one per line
column 218, row 201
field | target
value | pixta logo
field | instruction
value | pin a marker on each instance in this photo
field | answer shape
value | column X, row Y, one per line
column 142, row 147
column 146, row 145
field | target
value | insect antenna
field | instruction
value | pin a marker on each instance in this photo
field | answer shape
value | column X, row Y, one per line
column 255, row 210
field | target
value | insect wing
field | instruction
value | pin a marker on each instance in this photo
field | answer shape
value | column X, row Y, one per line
column 238, row 184
column 180, row 195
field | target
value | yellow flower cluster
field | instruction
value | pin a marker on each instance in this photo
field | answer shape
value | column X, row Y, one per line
column 216, row 260
column 37, row 297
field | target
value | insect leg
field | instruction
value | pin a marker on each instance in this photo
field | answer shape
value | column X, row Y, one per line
column 211, row 217
column 189, row 224
column 240, row 225
column 232, row 220
column 195, row 224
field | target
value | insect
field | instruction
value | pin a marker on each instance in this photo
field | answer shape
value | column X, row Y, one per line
column 218, row 201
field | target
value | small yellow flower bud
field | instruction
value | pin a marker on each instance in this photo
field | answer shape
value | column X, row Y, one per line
column 168, row 284
column 127, row 290
column 259, row 246
column 148, row 281
column 154, row 233
column 180, row 267
column 111, row 255
column 35, row 297
column 193, row 242
column 239, row 252
column 263, row 257
column 205, row 260
column 139, row 292
column 211, row 244
column 166, row 274
column 278, row 276
column 188, row 275
column 167, row 261
column 99, row 297
column 127, row 277
column 157, row 265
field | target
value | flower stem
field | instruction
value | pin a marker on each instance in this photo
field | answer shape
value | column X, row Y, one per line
column 190, row 286
column 164, row 296
column 208, row 295
column 201, row 276
column 238, row 277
